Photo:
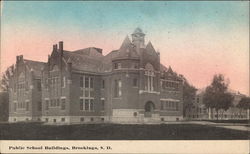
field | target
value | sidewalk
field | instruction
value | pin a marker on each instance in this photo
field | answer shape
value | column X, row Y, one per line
column 242, row 127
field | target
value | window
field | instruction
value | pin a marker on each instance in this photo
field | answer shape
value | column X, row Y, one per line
column 15, row 106
column 91, row 119
column 118, row 87
column 102, row 105
column 63, row 119
column 86, row 82
column 169, row 105
column 197, row 99
column 81, row 104
column 91, row 105
column 135, row 65
column 91, row 83
column 87, row 104
column 15, row 87
column 103, row 84
column 54, row 120
column 64, row 82
column 162, row 105
column 46, row 104
column 54, row 85
column 63, row 103
column 39, row 106
column 82, row 119
column 47, row 119
column 39, row 85
column 81, row 81
column 135, row 82
column 149, row 75
column 87, row 98
column 135, row 114
column 117, row 66
column 57, row 102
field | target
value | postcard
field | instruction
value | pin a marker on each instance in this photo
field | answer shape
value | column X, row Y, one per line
column 124, row 77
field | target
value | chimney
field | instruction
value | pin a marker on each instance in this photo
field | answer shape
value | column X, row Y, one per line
column 55, row 47
column 21, row 57
column 61, row 46
column 17, row 59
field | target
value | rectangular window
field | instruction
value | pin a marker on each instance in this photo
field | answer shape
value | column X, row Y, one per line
column 91, row 82
column 91, row 106
column 115, row 66
column 63, row 119
column 14, row 106
column 135, row 65
column 57, row 102
column 63, row 104
column 81, row 81
column 177, row 106
column 46, row 104
column 39, row 85
column 81, row 104
column 86, row 93
column 116, row 88
column 135, row 82
column 119, row 66
column 103, row 84
column 86, row 104
column 119, row 88
column 102, row 105
column 27, row 106
column 86, row 82
column 39, row 106
column 51, row 102
column 162, row 105
column 64, row 82
column 92, row 93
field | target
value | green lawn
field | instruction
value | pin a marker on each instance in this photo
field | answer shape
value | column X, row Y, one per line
column 33, row 131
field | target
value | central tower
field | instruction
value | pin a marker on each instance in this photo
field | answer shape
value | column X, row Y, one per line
column 138, row 38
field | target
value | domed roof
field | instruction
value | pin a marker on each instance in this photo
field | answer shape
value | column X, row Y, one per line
column 138, row 30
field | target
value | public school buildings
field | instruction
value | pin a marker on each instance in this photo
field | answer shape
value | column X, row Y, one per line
column 128, row 85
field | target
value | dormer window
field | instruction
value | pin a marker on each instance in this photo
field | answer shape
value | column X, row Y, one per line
column 117, row 66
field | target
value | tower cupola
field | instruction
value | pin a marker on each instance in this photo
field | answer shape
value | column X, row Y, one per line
column 138, row 38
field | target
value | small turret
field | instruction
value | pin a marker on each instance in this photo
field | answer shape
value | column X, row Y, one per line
column 138, row 38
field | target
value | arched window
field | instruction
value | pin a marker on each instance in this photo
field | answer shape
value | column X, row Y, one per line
column 149, row 75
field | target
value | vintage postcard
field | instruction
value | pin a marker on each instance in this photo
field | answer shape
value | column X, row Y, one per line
column 124, row 77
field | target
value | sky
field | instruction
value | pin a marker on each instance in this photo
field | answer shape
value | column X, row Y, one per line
column 197, row 39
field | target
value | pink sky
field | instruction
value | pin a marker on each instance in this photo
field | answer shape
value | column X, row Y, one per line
column 197, row 51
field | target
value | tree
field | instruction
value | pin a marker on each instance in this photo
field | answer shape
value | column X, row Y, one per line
column 188, row 95
column 4, row 106
column 244, row 103
column 216, row 95
column 4, row 85
column 4, row 95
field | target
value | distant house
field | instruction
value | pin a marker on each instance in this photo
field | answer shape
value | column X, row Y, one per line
column 128, row 85
column 25, row 91
column 199, row 110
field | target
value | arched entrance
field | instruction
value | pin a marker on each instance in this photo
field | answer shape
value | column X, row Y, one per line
column 149, row 108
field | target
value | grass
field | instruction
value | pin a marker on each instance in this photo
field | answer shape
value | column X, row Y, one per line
column 36, row 131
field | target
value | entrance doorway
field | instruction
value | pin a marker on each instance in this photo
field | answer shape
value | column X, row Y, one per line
column 149, row 108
